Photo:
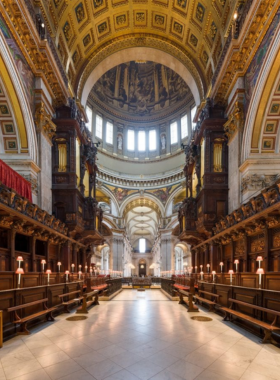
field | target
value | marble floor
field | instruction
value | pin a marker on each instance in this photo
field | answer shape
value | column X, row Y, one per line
column 138, row 335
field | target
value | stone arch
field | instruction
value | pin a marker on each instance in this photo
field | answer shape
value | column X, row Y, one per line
column 94, row 71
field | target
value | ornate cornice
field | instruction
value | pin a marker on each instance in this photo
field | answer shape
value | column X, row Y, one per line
column 235, row 121
column 43, row 121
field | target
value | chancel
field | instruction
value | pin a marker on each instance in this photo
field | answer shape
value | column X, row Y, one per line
column 139, row 189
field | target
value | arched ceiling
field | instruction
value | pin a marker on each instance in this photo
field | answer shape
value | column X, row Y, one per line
column 88, row 31
column 142, row 221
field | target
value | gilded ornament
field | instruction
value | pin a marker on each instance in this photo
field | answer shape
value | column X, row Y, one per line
column 121, row 20
column 102, row 27
column 182, row 3
column 43, row 121
column 140, row 16
column 205, row 57
column 67, row 31
column 276, row 241
column 97, row 3
column 80, row 12
column 86, row 40
column 200, row 11
column 213, row 30
column 178, row 28
column 159, row 20
column 193, row 40
column 257, row 245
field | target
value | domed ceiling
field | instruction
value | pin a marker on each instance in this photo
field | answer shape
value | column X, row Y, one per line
column 140, row 91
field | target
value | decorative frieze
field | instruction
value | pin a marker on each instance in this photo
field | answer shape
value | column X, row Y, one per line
column 253, row 182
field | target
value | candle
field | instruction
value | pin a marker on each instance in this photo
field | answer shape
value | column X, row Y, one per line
column 208, row 268
column 43, row 262
column 48, row 271
column 19, row 259
column 201, row 275
column 201, row 266
column 221, row 265
column 67, row 273
column 80, row 272
column 214, row 274
column 19, row 271
column 80, row 267
column 236, row 262
column 260, row 271
column 59, row 265
column 230, row 273
column 195, row 269
column 72, row 266
column 259, row 259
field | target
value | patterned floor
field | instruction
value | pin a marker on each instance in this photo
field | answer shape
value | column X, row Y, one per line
column 139, row 335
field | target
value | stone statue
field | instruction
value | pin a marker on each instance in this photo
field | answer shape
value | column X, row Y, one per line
column 119, row 138
column 163, row 142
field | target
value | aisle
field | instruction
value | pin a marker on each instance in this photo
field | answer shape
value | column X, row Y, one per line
column 139, row 336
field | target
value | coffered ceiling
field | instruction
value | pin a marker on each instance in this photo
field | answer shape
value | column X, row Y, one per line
column 191, row 31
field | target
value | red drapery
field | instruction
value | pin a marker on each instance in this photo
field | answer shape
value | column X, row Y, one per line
column 11, row 178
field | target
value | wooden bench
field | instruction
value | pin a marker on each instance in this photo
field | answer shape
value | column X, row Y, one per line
column 23, row 321
column 88, row 301
column 211, row 302
column 97, row 283
column 187, row 298
column 70, row 301
column 268, row 328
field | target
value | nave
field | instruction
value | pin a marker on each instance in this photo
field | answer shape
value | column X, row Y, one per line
column 139, row 335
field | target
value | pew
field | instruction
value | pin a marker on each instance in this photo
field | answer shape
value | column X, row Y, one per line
column 187, row 298
column 97, row 283
column 268, row 328
column 23, row 321
column 88, row 301
column 70, row 301
column 211, row 302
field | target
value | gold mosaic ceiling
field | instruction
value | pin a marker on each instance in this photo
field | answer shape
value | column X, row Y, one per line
column 192, row 31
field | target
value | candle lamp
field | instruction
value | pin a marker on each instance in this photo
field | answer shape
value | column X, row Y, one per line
column 48, row 271
column 214, row 274
column 86, row 268
column 90, row 271
column 201, row 266
column 67, row 274
column 80, row 267
column 221, row 265
column 43, row 262
column 72, row 267
column 59, row 265
column 19, row 271
column 80, row 272
column 19, row 259
column 260, row 272
column 230, row 273
column 201, row 275
column 259, row 259
column 195, row 269
column 208, row 268
column 236, row 262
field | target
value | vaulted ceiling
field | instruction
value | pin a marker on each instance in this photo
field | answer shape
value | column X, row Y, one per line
column 86, row 31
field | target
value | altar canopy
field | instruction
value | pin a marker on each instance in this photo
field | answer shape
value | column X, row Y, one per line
column 12, row 179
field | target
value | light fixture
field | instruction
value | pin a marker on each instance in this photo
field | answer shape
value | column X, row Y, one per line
column 19, row 271
column 201, row 275
column 43, row 262
column 48, row 271
column 19, row 259
column 231, row 272
column 67, row 274
column 208, row 268
column 236, row 262
column 214, row 274
column 59, row 265
column 260, row 271
column 259, row 259
column 221, row 265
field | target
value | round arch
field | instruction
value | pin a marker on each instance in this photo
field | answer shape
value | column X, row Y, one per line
column 20, row 105
column 138, row 53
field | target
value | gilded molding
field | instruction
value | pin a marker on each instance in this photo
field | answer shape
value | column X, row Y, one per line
column 235, row 121
column 43, row 121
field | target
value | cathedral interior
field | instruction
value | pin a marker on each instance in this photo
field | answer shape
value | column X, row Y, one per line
column 139, row 163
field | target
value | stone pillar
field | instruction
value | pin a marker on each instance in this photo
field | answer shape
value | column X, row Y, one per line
column 117, row 252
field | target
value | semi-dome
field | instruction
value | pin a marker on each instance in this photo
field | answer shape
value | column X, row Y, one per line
column 141, row 91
